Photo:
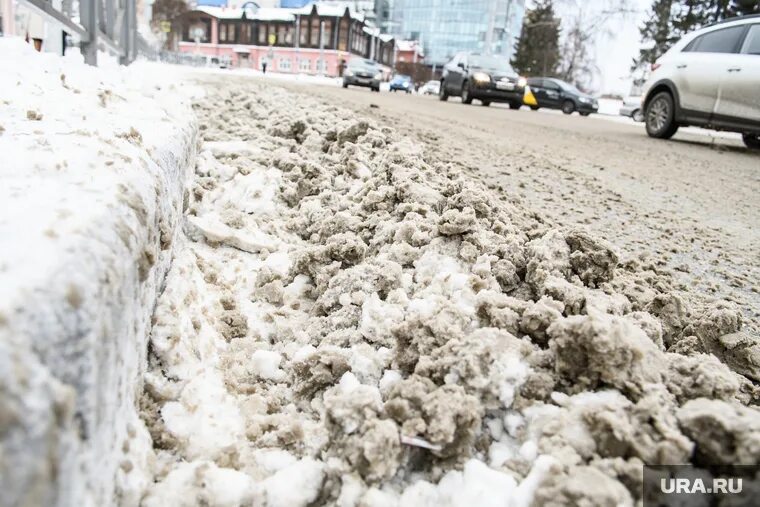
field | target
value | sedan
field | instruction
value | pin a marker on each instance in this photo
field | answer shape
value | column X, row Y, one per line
column 482, row 77
column 554, row 93
column 362, row 72
column 401, row 83
column 431, row 88
column 632, row 108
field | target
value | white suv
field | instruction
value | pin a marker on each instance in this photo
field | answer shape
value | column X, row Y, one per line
column 711, row 79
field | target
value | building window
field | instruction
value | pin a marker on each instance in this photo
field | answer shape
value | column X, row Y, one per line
column 327, row 34
column 314, row 39
column 226, row 32
column 284, row 35
column 321, row 66
column 245, row 33
column 262, row 34
column 343, row 35
column 304, row 65
column 283, row 64
column 303, row 36
column 200, row 29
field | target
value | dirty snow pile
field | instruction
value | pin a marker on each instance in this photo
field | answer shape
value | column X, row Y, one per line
column 351, row 322
column 92, row 167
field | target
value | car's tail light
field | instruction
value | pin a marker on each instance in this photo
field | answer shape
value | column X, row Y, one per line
column 656, row 66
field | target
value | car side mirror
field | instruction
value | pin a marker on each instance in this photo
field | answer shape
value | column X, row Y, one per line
column 461, row 65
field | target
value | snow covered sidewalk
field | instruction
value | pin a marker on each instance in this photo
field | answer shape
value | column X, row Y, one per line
column 92, row 169
column 351, row 321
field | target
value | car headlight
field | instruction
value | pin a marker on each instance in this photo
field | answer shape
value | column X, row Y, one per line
column 348, row 73
column 481, row 77
column 379, row 76
column 522, row 82
column 585, row 100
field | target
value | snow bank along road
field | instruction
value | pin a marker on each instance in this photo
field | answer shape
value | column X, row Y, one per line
column 348, row 305
column 352, row 318
column 92, row 174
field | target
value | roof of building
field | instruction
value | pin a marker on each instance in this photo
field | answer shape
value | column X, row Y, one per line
column 327, row 9
column 331, row 9
column 410, row 45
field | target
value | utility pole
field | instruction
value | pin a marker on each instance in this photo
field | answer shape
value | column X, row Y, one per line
column 491, row 26
column 298, row 43
column 322, row 48
column 508, row 29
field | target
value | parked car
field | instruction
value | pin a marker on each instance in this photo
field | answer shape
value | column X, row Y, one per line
column 401, row 82
column 362, row 72
column 431, row 88
column 632, row 108
column 711, row 79
column 554, row 93
column 485, row 78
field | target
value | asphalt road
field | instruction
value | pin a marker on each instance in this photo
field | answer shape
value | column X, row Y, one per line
column 689, row 206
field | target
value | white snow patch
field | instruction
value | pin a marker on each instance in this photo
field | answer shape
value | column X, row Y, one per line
column 91, row 183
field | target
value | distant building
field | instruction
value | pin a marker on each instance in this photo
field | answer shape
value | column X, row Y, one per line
column 445, row 27
column 315, row 39
column 409, row 51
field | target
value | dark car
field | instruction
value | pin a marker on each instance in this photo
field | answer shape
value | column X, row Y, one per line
column 554, row 93
column 402, row 83
column 362, row 72
column 482, row 77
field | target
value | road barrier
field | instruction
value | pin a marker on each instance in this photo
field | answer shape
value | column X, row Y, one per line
column 110, row 25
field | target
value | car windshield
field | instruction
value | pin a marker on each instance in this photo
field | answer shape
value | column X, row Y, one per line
column 492, row 63
column 362, row 64
column 570, row 88
column 402, row 77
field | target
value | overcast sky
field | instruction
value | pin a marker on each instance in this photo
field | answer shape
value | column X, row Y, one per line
column 615, row 52
column 616, row 48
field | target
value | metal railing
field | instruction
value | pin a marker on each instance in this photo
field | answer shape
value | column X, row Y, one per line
column 107, row 24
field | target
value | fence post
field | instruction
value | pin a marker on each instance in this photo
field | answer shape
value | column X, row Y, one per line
column 128, row 40
column 88, row 13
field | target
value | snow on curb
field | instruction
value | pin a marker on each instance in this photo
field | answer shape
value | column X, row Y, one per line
column 91, row 191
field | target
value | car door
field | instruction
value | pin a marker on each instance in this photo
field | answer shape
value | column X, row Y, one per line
column 552, row 94
column 699, row 69
column 537, row 89
column 739, row 100
column 453, row 78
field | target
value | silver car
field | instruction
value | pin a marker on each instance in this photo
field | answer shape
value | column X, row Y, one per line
column 632, row 108
column 711, row 79
column 363, row 72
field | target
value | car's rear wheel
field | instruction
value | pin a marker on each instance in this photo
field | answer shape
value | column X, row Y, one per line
column 345, row 85
column 660, row 116
column 486, row 103
column 466, row 94
column 752, row 141
column 515, row 106
column 568, row 107
column 534, row 108
column 637, row 116
column 443, row 95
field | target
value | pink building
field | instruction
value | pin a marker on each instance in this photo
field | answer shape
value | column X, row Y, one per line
column 316, row 39
column 409, row 51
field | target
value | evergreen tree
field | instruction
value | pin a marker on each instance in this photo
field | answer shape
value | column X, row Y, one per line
column 537, row 52
column 658, row 33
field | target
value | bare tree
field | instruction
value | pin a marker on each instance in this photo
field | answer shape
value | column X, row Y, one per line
column 585, row 25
